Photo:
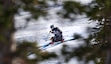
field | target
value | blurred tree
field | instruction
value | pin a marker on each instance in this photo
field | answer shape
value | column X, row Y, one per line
column 95, row 46
column 100, row 50
column 6, row 31
column 10, row 53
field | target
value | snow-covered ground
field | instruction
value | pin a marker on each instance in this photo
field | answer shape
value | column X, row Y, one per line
column 38, row 31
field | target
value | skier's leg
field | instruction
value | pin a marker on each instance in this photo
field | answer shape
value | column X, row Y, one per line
column 52, row 40
column 61, row 38
column 55, row 39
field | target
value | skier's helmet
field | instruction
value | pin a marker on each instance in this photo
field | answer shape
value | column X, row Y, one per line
column 52, row 26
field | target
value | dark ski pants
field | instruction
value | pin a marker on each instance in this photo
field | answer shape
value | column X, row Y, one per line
column 57, row 38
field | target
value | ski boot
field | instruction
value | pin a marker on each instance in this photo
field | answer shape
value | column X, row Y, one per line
column 62, row 40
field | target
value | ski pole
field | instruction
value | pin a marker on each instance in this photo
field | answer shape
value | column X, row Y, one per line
column 47, row 36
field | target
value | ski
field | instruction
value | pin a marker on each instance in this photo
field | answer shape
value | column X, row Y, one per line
column 43, row 47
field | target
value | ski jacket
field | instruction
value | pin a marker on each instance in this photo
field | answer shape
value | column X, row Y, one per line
column 56, row 31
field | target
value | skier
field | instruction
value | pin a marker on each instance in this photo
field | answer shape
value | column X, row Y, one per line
column 57, row 34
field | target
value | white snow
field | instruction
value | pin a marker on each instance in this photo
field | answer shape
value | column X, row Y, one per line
column 40, row 36
column 38, row 31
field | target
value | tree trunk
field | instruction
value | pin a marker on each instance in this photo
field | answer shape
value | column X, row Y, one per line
column 108, row 56
column 6, row 31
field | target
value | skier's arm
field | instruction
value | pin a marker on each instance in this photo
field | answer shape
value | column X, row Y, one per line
column 51, row 31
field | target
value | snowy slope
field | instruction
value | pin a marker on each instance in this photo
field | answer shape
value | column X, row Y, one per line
column 40, row 37
column 38, row 32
